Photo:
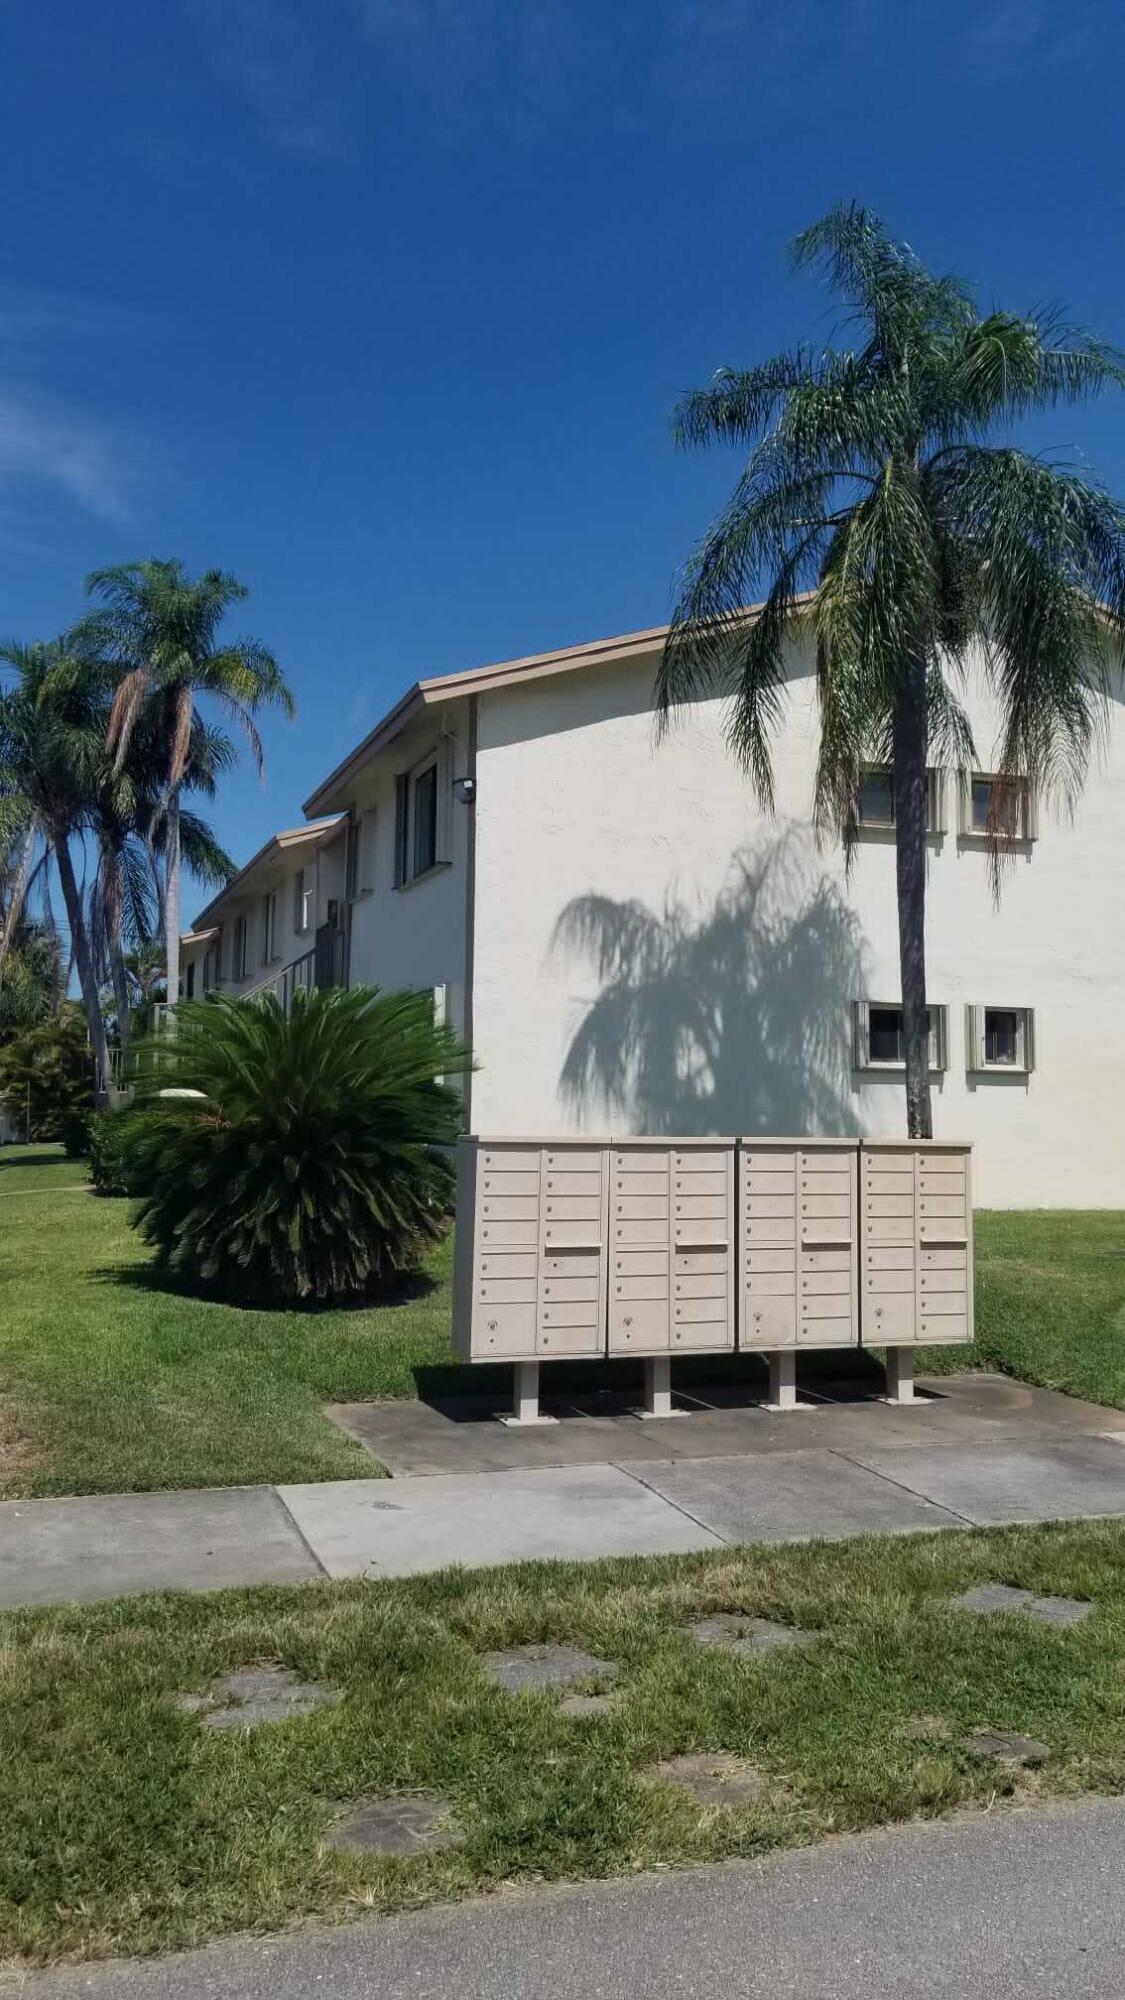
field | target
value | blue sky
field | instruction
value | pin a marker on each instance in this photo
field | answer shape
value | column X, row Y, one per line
column 383, row 304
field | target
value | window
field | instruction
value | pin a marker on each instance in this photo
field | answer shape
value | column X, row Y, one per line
column 993, row 805
column 878, row 1035
column 213, row 964
column 304, row 897
column 238, row 949
column 269, row 927
column 1002, row 1039
column 359, row 861
column 189, row 981
column 875, row 800
column 421, row 817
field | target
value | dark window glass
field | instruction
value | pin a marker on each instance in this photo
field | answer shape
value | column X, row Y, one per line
column 425, row 820
column 191, row 980
column 1001, row 1035
column 884, row 1029
column 876, row 799
column 1009, row 807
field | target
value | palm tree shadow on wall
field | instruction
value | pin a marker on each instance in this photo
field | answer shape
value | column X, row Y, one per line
column 731, row 1019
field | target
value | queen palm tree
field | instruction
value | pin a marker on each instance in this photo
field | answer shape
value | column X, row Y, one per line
column 159, row 628
column 891, row 525
column 53, row 766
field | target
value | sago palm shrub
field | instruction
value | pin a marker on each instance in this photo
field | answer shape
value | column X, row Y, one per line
column 313, row 1163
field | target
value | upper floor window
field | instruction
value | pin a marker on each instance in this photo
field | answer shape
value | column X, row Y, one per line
column 1001, row 1038
column 359, row 855
column 238, row 948
column 875, row 799
column 994, row 807
column 304, row 897
column 422, row 817
column 879, row 1039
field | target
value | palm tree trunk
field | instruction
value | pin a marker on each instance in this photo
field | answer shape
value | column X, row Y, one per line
column 172, row 896
column 121, row 999
column 81, row 945
column 113, row 898
column 911, row 802
column 14, row 910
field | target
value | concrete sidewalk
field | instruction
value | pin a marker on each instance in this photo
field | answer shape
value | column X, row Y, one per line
column 975, row 1457
column 1015, row 1905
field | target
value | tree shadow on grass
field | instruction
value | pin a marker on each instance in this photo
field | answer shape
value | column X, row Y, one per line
column 55, row 1158
column 155, row 1278
column 734, row 1019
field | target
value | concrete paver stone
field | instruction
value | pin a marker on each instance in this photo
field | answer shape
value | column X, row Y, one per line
column 714, row 1778
column 536, row 1669
column 396, row 1826
column 1007, row 1746
column 746, row 1637
column 582, row 1706
column 989, row 1598
column 251, row 1695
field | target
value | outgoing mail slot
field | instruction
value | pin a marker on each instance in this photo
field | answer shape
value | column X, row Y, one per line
column 686, row 1262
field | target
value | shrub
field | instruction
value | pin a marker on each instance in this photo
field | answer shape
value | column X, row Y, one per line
column 318, row 1165
column 74, row 1131
column 46, row 1075
column 112, row 1148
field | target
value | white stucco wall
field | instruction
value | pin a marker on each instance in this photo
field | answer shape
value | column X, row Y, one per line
column 739, row 949
column 414, row 937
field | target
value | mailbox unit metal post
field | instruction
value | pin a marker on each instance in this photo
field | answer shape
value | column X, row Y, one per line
column 798, row 1240
column 917, row 1280
column 672, row 1230
column 530, row 1272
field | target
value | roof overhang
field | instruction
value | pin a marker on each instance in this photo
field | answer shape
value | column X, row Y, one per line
column 303, row 838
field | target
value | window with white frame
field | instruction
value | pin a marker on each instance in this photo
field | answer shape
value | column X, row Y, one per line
column 422, row 817
column 304, row 897
column 995, row 807
column 268, row 926
column 875, row 800
column 1001, row 1039
column 878, row 1037
column 238, row 948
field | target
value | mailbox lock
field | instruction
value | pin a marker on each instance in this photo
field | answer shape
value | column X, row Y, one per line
column 628, row 1319
column 492, row 1326
column 757, row 1316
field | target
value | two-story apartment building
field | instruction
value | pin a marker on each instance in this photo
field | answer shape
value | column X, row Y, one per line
column 629, row 944
column 280, row 923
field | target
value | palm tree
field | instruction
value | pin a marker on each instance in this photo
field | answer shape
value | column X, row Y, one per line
column 53, row 765
column 159, row 628
column 890, row 526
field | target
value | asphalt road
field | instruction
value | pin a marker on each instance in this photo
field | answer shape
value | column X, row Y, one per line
column 1012, row 1906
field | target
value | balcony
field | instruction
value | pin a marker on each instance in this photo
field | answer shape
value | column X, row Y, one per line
column 315, row 970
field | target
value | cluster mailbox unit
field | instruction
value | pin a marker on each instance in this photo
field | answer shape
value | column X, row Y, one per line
column 656, row 1247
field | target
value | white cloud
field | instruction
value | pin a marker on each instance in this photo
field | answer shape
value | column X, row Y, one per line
column 263, row 52
column 48, row 450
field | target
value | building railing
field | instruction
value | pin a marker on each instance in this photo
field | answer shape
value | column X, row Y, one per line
column 315, row 970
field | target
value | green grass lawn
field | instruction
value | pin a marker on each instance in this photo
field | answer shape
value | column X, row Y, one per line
column 111, row 1382
column 131, row 1827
